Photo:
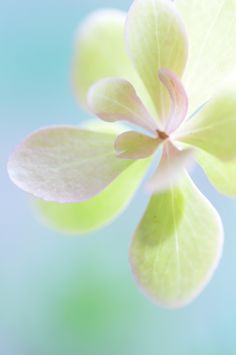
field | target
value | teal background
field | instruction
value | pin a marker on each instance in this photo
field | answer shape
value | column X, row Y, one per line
column 76, row 296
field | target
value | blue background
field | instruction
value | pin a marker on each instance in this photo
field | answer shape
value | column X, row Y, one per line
column 76, row 296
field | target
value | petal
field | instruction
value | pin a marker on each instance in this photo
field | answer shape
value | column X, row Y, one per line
column 213, row 128
column 100, row 210
column 65, row 164
column 156, row 39
column 177, row 245
column 221, row 174
column 171, row 167
column 134, row 145
column 96, row 56
column 114, row 99
column 179, row 99
column 212, row 53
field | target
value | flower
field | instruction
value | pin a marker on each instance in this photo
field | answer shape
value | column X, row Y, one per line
column 89, row 174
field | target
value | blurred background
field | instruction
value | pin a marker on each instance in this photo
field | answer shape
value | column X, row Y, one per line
column 62, row 295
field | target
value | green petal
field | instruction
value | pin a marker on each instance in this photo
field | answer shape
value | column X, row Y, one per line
column 213, row 128
column 100, row 51
column 115, row 99
column 221, row 174
column 134, row 145
column 65, row 164
column 156, row 39
column 177, row 245
column 90, row 215
column 212, row 54
column 171, row 167
column 92, row 58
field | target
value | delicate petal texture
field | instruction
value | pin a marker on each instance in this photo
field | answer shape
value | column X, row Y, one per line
column 114, row 99
column 213, row 128
column 171, row 167
column 134, row 145
column 221, row 174
column 177, row 245
column 65, row 164
column 179, row 99
column 100, row 52
column 212, row 39
column 156, row 39
column 96, row 125
column 95, row 54
column 90, row 215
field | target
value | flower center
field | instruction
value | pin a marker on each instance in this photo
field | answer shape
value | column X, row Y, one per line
column 162, row 135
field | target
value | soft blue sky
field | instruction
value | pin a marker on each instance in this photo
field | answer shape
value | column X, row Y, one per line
column 76, row 296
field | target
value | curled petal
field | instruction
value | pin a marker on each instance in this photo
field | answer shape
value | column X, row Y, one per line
column 134, row 145
column 177, row 246
column 65, row 164
column 114, row 99
column 171, row 168
column 156, row 38
column 179, row 99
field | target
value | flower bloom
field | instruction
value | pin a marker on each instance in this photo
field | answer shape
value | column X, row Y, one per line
column 163, row 69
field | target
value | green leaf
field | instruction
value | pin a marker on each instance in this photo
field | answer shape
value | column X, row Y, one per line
column 177, row 245
column 156, row 39
column 65, row 163
column 212, row 54
column 213, row 128
column 90, row 215
column 221, row 174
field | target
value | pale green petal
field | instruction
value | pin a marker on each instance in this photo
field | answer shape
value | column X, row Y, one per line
column 65, row 164
column 177, row 245
column 90, row 215
column 97, row 125
column 171, row 167
column 95, row 55
column 221, row 174
column 213, row 128
column 100, row 52
column 115, row 99
column 156, row 39
column 212, row 39
column 134, row 145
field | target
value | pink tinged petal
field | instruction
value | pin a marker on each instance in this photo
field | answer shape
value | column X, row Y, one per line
column 179, row 99
column 134, row 145
column 156, row 38
column 65, row 164
column 171, row 168
column 114, row 99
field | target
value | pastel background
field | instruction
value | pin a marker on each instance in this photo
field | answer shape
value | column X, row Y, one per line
column 63, row 295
